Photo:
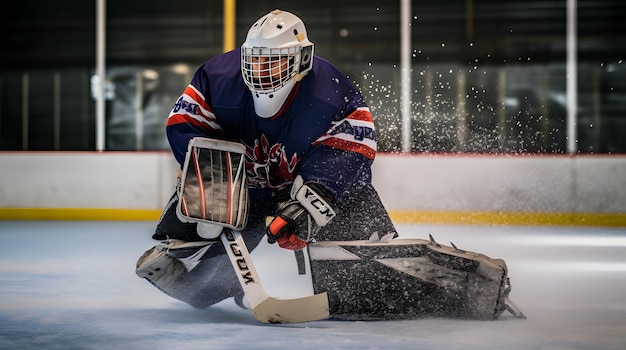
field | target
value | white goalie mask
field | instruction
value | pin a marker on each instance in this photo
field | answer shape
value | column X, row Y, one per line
column 275, row 56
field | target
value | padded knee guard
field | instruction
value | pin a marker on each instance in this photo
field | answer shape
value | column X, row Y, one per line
column 166, row 265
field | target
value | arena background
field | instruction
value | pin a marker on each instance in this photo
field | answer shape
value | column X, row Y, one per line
column 488, row 83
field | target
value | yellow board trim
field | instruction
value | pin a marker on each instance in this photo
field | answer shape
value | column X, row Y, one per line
column 398, row 216
column 508, row 218
column 79, row 214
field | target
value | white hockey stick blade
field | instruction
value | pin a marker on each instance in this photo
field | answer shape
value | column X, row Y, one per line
column 305, row 309
column 267, row 309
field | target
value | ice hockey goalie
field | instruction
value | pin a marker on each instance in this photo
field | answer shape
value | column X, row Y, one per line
column 387, row 279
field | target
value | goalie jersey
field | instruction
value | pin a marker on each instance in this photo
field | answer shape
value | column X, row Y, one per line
column 324, row 131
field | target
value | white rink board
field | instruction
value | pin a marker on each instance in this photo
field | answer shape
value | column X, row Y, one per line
column 520, row 183
column 145, row 180
column 120, row 180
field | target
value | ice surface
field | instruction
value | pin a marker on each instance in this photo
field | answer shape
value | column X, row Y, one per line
column 71, row 285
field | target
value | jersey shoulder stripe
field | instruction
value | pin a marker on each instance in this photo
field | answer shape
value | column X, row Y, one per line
column 197, row 96
column 192, row 108
column 350, row 146
column 354, row 133
column 362, row 113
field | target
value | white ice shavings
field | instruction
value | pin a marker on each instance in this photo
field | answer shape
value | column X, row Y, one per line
column 384, row 239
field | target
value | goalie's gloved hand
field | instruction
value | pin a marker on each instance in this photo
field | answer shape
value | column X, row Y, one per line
column 291, row 226
column 298, row 219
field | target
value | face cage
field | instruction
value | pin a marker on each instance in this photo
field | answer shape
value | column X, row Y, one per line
column 267, row 70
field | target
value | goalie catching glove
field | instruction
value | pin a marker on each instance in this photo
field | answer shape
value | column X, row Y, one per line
column 298, row 220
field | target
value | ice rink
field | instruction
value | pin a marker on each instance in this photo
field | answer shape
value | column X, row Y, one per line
column 71, row 285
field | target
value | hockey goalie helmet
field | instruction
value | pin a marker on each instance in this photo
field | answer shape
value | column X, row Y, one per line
column 275, row 56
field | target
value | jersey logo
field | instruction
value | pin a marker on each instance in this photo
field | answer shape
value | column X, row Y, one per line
column 269, row 166
column 192, row 108
column 359, row 132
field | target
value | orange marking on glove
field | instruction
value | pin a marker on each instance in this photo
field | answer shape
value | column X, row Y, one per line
column 277, row 224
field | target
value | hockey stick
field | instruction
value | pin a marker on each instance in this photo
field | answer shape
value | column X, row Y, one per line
column 214, row 170
column 266, row 308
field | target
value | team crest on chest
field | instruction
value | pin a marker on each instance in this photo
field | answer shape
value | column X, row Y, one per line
column 268, row 165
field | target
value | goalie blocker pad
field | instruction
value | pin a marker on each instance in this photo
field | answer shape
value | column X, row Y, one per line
column 213, row 185
column 408, row 279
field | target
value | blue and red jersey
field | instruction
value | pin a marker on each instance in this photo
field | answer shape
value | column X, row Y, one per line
column 324, row 132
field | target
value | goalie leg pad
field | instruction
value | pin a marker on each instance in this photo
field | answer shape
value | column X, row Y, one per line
column 407, row 279
column 193, row 272
column 161, row 270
